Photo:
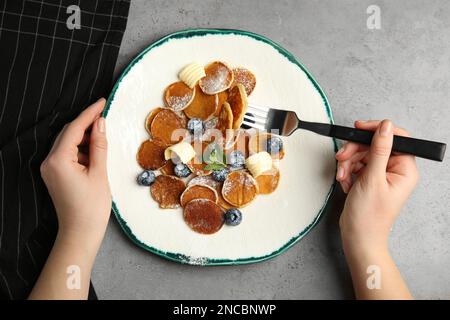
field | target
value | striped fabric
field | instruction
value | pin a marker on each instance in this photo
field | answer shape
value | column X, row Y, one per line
column 48, row 74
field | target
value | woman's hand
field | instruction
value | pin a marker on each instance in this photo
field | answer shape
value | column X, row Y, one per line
column 75, row 175
column 381, row 184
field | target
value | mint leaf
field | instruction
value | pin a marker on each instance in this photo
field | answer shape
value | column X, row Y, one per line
column 215, row 166
column 212, row 157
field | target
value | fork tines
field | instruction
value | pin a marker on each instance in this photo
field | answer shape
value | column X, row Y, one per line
column 256, row 117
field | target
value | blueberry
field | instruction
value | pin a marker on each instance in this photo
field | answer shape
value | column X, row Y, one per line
column 236, row 159
column 181, row 170
column 196, row 127
column 220, row 175
column 146, row 178
column 274, row 145
column 233, row 217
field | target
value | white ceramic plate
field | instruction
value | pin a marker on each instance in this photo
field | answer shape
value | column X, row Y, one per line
column 271, row 223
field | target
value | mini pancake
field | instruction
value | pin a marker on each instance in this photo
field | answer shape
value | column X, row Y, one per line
column 151, row 155
column 150, row 117
column 168, row 169
column 178, row 96
column 246, row 78
column 209, row 181
column 203, row 216
column 222, row 202
column 268, row 181
column 225, row 118
column 258, row 143
column 239, row 188
column 198, row 192
column 237, row 99
column 202, row 106
column 238, row 142
column 219, row 77
column 197, row 164
column 182, row 116
column 221, row 97
column 165, row 124
column 166, row 190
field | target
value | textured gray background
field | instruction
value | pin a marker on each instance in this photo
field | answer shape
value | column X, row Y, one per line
column 400, row 72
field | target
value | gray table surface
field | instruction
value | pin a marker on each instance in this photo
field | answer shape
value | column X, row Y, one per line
column 401, row 72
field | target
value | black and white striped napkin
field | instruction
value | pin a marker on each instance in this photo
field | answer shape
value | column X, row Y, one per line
column 56, row 57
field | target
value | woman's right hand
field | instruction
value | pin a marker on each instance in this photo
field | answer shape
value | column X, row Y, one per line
column 383, row 183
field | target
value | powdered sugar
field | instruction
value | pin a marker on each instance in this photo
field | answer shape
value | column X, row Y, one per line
column 178, row 103
column 218, row 78
column 204, row 180
column 246, row 78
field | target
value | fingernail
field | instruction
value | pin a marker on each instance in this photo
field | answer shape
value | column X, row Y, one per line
column 101, row 125
column 340, row 173
column 341, row 150
column 386, row 128
column 100, row 99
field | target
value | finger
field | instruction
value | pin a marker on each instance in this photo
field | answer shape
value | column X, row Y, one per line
column 75, row 130
column 372, row 125
column 367, row 124
column 347, row 165
column 344, row 170
column 345, row 187
column 340, row 173
column 98, row 147
column 401, row 132
column 380, row 149
column 349, row 149
column 347, row 182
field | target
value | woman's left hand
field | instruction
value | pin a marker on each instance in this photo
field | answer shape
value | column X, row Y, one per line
column 75, row 175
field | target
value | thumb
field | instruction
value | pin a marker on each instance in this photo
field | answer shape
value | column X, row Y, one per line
column 380, row 149
column 98, row 147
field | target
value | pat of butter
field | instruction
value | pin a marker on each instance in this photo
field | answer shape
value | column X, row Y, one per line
column 191, row 74
column 259, row 163
column 183, row 150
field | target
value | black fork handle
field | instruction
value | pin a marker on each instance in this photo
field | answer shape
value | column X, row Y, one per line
column 421, row 148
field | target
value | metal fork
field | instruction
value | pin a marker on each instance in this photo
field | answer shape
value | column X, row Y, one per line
column 286, row 122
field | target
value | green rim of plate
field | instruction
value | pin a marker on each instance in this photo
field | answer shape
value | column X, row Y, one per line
column 181, row 258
